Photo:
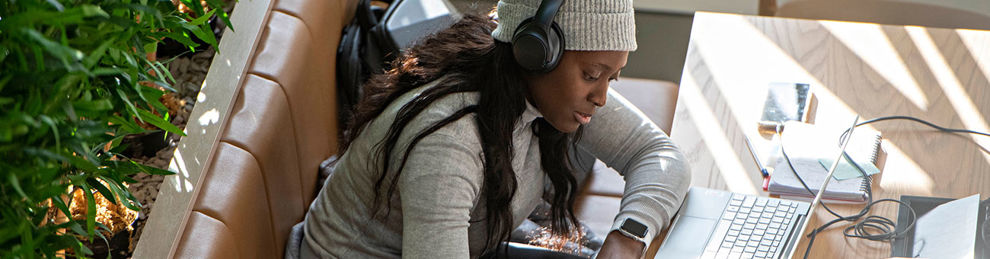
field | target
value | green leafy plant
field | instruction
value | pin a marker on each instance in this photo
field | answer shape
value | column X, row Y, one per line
column 75, row 78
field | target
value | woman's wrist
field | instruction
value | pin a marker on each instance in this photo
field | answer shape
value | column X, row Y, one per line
column 618, row 245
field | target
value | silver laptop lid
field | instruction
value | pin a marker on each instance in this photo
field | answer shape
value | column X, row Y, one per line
column 818, row 196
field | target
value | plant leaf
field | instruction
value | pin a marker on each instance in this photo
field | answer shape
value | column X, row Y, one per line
column 51, row 123
column 17, row 185
column 89, row 10
column 58, row 6
column 127, row 126
column 54, row 48
column 97, row 54
column 93, row 106
column 151, row 47
column 202, row 19
column 183, row 38
column 128, row 103
column 106, row 71
column 125, row 195
column 152, row 170
column 167, row 73
column 5, row 80
column 102, row 189
column 77, row 229
column 57, row 200
column 159, row 122
column 225, row 17
column 195, row 6
column 90, row 208
column 158, row 72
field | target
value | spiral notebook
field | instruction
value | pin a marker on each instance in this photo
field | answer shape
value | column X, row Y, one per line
column 808, row 147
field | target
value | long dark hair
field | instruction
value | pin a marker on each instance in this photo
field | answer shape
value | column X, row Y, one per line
column 469, row 60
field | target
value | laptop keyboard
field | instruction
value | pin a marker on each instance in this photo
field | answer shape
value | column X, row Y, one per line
column 751, row 227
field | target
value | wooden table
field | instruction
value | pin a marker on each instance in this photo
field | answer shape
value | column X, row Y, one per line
column 940, row 75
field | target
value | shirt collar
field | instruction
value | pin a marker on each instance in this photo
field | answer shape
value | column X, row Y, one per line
column 530, row 114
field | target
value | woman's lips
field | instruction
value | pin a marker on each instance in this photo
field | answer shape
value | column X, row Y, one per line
column 581, row 117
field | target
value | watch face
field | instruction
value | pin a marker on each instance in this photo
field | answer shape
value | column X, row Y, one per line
column 634, row 227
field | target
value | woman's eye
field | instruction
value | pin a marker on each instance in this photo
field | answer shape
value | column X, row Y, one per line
column 590, row 77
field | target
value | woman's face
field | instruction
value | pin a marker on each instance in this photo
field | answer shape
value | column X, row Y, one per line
column 568, row 95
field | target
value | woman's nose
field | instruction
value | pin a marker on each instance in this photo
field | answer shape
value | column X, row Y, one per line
column 599, row 95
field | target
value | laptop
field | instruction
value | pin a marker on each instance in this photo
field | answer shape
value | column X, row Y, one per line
column 722, row 224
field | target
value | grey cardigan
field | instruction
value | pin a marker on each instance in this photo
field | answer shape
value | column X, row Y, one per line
column 435, row 212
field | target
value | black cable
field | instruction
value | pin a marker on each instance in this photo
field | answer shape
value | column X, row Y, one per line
column 861, row 229
column 883, row 229
column 926, row 123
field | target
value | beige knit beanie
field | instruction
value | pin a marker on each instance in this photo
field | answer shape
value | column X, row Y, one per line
column 586, row 24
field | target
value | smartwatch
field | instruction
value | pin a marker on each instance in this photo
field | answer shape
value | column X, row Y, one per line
column 634, row 229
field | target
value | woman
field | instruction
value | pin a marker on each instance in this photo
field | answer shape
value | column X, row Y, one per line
column 453, row 148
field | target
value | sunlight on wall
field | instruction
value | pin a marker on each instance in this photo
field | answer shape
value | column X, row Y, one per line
column 871, row 44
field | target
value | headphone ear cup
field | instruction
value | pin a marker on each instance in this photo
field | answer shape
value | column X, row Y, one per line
column 529, row 46
column 536, row 49
column 556, row 45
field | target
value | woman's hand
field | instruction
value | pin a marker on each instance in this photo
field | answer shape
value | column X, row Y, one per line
column 618, row 245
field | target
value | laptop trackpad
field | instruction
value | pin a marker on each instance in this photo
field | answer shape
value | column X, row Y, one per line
column 692, row 235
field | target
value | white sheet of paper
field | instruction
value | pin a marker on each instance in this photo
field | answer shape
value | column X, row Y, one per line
column 949, row 230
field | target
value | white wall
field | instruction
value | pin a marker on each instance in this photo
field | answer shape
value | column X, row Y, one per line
column 976, row 6
column 690, row 6
column 752, row 6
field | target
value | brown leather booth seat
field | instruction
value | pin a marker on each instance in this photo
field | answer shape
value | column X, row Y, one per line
column 282, row 124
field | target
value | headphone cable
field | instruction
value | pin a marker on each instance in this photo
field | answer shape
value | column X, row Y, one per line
column 872, row 227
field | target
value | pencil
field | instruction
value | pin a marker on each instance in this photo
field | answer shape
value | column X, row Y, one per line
column 759, row 164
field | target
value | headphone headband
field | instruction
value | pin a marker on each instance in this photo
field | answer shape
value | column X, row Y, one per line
column 547, row 11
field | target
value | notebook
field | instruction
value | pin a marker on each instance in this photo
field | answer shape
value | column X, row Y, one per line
column 809, row 147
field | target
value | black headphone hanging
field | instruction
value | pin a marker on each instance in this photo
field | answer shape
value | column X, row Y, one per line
column 538, row 42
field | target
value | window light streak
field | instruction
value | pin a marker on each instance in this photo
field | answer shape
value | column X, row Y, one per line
column 871, row 44
column 975, row 43
column 730, row 168
column 740, row 70
column 180, row 180
column 954, row 91
column 755, row 61
column 901, row 174
column 209, row 117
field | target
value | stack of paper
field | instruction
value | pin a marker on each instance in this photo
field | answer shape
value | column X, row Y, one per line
column 949, row 230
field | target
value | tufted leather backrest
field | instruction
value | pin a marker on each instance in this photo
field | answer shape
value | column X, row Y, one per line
column 282, row 124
